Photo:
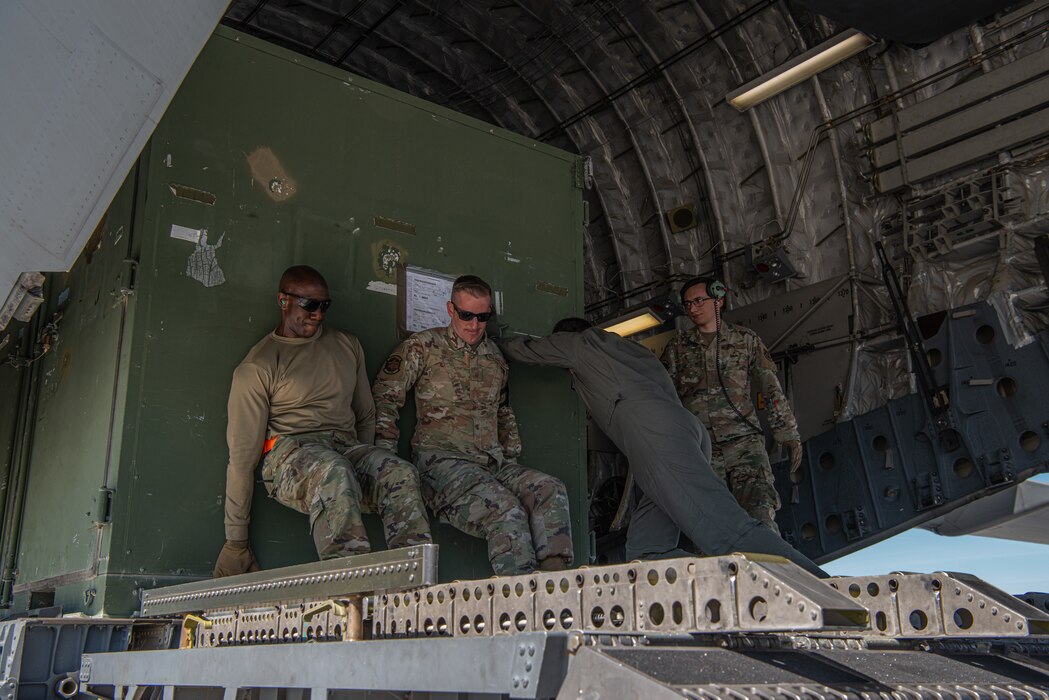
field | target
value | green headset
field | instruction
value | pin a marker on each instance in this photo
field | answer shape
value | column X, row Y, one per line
column 715, row 287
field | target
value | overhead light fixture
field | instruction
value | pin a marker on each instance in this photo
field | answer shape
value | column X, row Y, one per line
column 829, row 53
column 635, row 324
column 640, row 319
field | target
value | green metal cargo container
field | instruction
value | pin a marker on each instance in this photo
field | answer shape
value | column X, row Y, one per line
column 263, row 160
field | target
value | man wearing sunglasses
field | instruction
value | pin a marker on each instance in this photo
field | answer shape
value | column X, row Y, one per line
column 466, row 442
column 301, row 401
column 714, row 366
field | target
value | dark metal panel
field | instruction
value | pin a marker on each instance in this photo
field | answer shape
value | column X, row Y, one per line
column 593, row 674
column 739, row 672
column 40, row 658
column 895, row 467
column 904, row 666
column 697, row 666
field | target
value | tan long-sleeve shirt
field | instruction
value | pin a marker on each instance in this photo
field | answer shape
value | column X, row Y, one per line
column 286, row 386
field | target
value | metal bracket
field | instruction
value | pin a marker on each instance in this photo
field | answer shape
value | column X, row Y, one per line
column 190, row 625
column 855, row 524
column 928, row 491
column 337, row 608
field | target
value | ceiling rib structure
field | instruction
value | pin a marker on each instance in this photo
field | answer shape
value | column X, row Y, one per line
column 640, row 87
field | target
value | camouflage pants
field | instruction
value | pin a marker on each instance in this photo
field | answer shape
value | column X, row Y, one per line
column 522, row 513
column 743, row 464
column 332, row 481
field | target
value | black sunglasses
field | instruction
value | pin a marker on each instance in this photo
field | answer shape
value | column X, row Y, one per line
column 308, row 304
column 470, row 315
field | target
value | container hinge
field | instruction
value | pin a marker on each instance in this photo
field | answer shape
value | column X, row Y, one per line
column 128, row 279
column 103, row 506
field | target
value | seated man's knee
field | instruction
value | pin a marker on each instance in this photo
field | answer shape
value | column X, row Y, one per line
column 533, row 486
column 335, row 491
column 335, row 520
column 398, row 497
column 549, row 492
column 396, row 473
column 510, row 547
column 558, row 489
column 500, row 513
column 503, row 523
column 334, row 480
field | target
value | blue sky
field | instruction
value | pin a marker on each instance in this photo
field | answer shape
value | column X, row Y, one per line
column 1015, row 567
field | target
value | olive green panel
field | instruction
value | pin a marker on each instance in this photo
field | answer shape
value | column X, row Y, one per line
column 284, row 161
column 76, row 402
column 11, row 378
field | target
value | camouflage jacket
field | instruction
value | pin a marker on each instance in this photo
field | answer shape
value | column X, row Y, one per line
column 461, row 397
column 745, row 365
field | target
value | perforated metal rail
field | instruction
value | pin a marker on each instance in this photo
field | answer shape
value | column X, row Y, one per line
column 941, row 604
column 708, row 594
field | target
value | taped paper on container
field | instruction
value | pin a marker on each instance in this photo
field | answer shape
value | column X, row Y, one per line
column 184, row 233
column 382, row 287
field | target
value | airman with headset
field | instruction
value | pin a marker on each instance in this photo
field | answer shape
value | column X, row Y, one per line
column 715, row 367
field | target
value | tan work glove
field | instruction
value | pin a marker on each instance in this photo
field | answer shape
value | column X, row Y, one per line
column 794, row 447
column 235, row 558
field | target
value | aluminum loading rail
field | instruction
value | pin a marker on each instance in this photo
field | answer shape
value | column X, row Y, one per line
column 730, row 627
column 579, row 665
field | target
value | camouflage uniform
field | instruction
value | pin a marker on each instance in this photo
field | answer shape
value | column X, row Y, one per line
column 332, row 480
column 465, row 445
column 738, row 445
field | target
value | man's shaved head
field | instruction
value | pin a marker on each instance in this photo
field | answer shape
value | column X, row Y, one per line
column 298, row 275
